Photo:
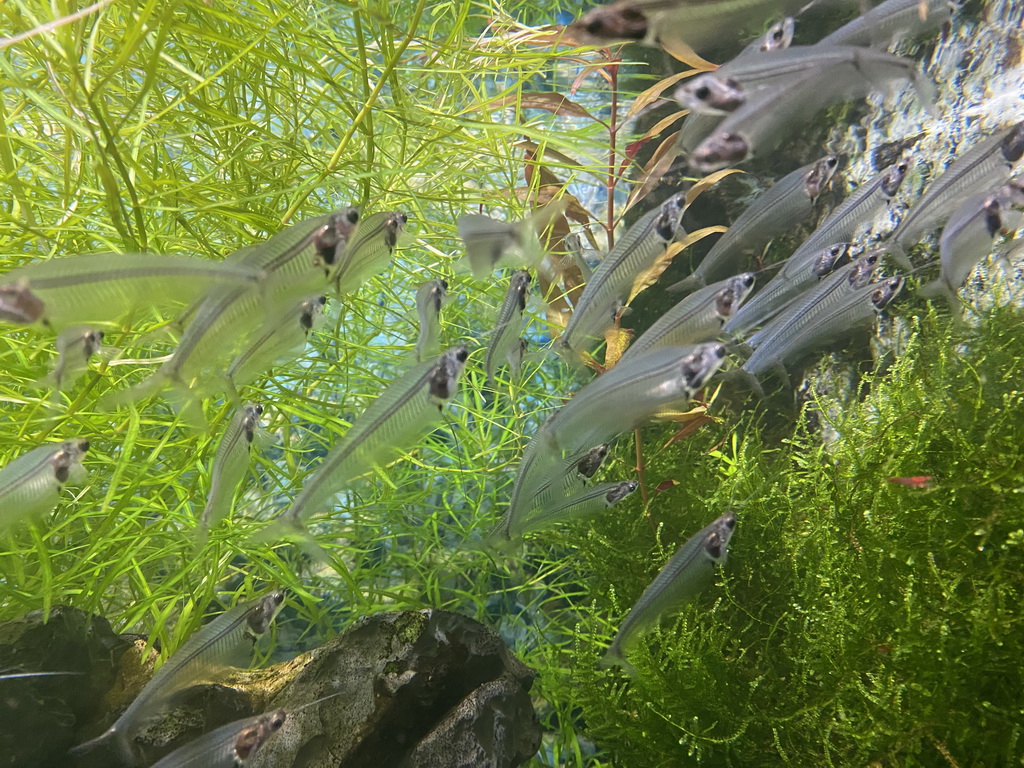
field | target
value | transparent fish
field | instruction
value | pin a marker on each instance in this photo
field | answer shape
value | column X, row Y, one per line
column 784, row 205
column 969, row 236
column 430, row 297
column 230, row 462
column 491, row 243
column 689, row 572
column 711, row 95
column 821, row 324
column 857, row 210
column 616, row 402
column 697, row 318
column 369, row 250
column 281, row 340
column 104, row 287
column 584, row 504
column 771, row 113
column 76, row 345
column 214, row 646
column 398, row 417
column 602, row 297
column 30, row 485
column 890, row 21
column 778, row 36
column 975, row 171
column 576, row 470
column 506, row 336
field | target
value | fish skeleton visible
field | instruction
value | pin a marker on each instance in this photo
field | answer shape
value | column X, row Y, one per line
column 509, row 324
column 30, row 485
column 230, row 462
column 430, row 297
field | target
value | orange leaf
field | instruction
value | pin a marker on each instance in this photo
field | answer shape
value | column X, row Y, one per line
column 692, row 424
column 616, row 340
column 695, row 191
column 650, row 276
column 680, row 51
column 552, row 102
column 653, row 93
column 656, row 167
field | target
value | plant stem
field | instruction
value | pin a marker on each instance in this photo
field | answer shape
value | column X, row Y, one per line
column 613, row 125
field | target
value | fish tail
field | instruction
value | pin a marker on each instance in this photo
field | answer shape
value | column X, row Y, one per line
column 939, row 289
column 615, row 657
column 118, row 741
column 687, row 285
column 895, row 249
column 286, row 526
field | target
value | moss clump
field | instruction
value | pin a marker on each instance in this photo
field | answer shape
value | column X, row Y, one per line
column 859, row 621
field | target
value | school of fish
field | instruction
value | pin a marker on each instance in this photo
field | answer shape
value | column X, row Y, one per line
column 730, row 321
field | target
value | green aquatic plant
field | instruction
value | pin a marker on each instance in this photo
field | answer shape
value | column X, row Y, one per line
column 870, row 609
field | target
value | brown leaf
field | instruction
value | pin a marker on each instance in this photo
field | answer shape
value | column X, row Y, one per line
column 650, row 276
column 691, row 426
column 534, row 148
column 665, row 485
column 656, row 167
column 653, row 93
column 552, row 102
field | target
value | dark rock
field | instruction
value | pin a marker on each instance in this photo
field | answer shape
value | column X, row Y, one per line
column 39, row 714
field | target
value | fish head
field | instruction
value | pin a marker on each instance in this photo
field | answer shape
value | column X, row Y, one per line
column 330, row 240
column 829, row 258
column 264, row 611
column 252, row 737
column 621, row 491
column 699, row 366
column 445, row 377
column 864, row 268
column 1012, row 145
column 616, row 22
column 521, row 285
column 69, row 458
column 19, row 305
column 728, row 300
column 1014, row 192
column 310, row 310
column 440, row 294
column 592, row 462
column 92, row 340
column 992, row 212
column 818, row 178
column 711, row 94
column 886, row 291
column 717, row 540
column 779, row 35
column 718, row 151
column 894, row 177
column 394, row 228
column 667, row 223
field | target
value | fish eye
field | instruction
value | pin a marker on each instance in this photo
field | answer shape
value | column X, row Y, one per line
column 352, row 216
column 461, row 354
column 595, row 27
column 444, row 284
column 702, row 92
column 715, row 550
column 718, row 351
column 83, row 445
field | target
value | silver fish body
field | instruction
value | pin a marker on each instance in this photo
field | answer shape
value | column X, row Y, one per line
column 890, row 21
column 688, row 572
column 833, row 287
column 823, row 323
column 584, row 504
column 785, row 204
column 30, row 485
column 281, row 340
column 368, row 250
column 230, row 462
column 104, row 287
column 576, row 470
column 602, row 297
column 778, row 37
column 430, row 297
column 399, row 415
column 982, row 167
column 697, row 318
column 770, row 113
column 969, row 235
column 620, row 400
column 506, row 336
column 858, row 209
column 230, row 746
column 75, row 347
column 210, row 649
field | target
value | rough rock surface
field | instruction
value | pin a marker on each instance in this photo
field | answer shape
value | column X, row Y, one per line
column 425, row 689
column 38, row 714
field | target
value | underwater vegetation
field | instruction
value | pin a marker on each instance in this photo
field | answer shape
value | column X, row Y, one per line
column 300, row 369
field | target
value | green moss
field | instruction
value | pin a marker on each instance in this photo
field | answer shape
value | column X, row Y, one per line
column 858, row 620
